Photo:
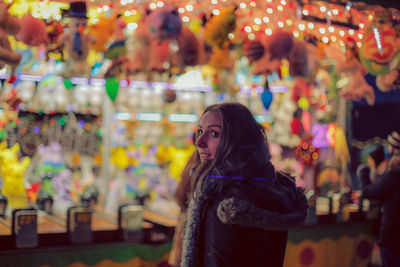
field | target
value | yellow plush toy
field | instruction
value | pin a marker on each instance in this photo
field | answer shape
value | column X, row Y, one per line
column 12, row 172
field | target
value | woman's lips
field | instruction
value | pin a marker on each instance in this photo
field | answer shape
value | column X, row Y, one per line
column 204, row 156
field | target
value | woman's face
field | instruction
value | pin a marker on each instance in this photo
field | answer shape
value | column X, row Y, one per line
column 209, row 135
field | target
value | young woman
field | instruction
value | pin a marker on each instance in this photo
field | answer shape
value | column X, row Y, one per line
column 240, row 208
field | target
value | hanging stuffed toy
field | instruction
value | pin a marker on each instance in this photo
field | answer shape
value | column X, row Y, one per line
column 164, row 23
column 354, row 86
column 145, row 52
column 33, row 31
column 8, row 26
column 76, row 42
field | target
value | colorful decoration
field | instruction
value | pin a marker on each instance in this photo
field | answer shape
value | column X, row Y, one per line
column 112, row 86
column 266, row 98
column 380, row 50
column 306, row 151
column 320, row 133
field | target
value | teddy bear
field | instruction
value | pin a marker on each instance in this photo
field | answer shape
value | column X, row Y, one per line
column 8, row 26
column 76, row 42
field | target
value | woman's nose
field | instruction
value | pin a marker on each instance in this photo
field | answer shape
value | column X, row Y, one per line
column 201, row 142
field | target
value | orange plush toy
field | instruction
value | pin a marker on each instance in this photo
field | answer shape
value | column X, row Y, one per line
column 8, row 26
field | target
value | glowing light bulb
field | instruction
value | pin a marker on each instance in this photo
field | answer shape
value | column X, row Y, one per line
column 243, row 5
column 266, row 19
column 215, row 12
column 333, row 38
column 322, row 8
column 289, row 22
column 311, row 25
column 181, row 10
column 305, row 12
column 257, row 21
column 214, row 2
column 247, row 29
column 256, row 27
column 268, row 31
column 283, row 2
column 253, row 4
column 106, row 8
column 359, row 44
column 160, row 4
column 153, row 6
column 362, row 25
column 296, row 34
column 331, row 29
column 280, row 8
column 280, row 24
column 270, row 10
column 189, row 8
column 127, row 13
column 351, row 31
column 322, row 30
column 252, row 36
column 360, row 36
column 185, row 19
column 325, row 39
column 341, row 33
column 335, row 12
column 231, row 36
column 99, row 10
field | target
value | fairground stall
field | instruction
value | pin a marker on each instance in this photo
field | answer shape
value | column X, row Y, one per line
column 100, row 100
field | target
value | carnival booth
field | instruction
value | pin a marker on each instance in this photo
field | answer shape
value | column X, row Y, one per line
column 99, row 101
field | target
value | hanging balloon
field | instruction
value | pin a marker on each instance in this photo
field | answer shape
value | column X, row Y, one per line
column 295, row 126
column 266, row 98
column 112, row 86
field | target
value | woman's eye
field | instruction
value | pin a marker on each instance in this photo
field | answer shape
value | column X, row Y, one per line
column 199, row 132
column 215, row 134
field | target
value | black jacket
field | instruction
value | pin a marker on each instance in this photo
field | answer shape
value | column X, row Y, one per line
column 387, row 191
column 245, row 223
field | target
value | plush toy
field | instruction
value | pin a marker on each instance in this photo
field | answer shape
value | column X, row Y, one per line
column 281, row 45
column 76, row 42
column 102, row 32
column 354, row 86
column 139, row 46
column 12, row 172
column 164, row 23
column 8, row 26
column 217, row 29
column 191, row 50
column 33, row 31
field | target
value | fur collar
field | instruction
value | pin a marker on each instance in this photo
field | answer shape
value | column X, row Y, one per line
column 245, row 213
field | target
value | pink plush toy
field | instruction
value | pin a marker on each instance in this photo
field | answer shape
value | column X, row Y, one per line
column 8, row 26
column 281, row 45
column 33, row 31
column 164, row 23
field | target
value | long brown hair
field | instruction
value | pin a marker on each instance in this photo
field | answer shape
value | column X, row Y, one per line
column 243, row 147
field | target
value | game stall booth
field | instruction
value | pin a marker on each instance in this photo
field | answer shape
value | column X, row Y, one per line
column 99, row 102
